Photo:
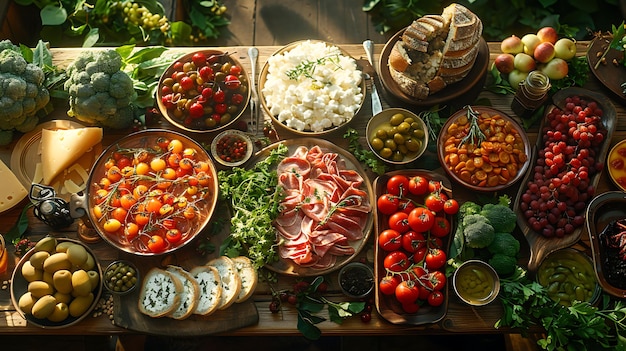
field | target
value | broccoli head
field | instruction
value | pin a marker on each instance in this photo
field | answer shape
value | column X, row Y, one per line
column 501, row 217
column 479, row 234
column 473, row 218
column 468, row 208
column 99, row 92
column 504, row 243
column 503, row 265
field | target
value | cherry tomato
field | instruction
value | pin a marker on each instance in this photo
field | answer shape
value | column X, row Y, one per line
column 199, row 59
column 396, row 261
column 435, row 298
column 186, row 83
column 451, row 206
column 388, row 284
column 437, row 280
column 173, row 235
column 441, row 227
column 410, row 307
column 434, row 186
column 413, row 241
column 390, row 240
column 418, row 273
column 418, row 185
column 387, row 204
column 435, row 259
column 421, row 219
column 435, row 201
column 232, row 82
column 399, row 221
column 406, row 205
column 424, row 291
column 157, row 244
column 419, row 255
column 398, row 185
column 407, row 292
column 196, row 110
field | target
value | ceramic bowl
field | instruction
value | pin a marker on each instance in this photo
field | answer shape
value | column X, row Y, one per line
column 404, row 142
column 476, row 283
column 232, row 148
column 121, row 277
column 356, row 280
column 616, row 164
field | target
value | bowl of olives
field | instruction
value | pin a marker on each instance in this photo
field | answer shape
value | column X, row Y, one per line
column 120, row 277
column 397, row 136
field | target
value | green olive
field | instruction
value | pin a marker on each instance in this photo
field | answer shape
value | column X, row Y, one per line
column 403, row 149
column 396, row 119
column 386, row 152
column 232, row 109
column 381, row 133
column 398, row 139
column 404, row 127
column 389, row 143
column 418, row 133
column 377, row 143
column 397, row 156
column 210, row 122
column 415, row 125
column 409, row 120
column 412, row 144
column 219, row 76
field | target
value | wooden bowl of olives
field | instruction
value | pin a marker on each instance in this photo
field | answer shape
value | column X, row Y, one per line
column 397, row 136
column 120, row 277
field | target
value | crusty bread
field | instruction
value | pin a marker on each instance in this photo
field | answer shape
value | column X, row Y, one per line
column 189, row 296
column 249, row 277
column 160, row 293
column 208, row 279
column 435, row 51
column 231, row 282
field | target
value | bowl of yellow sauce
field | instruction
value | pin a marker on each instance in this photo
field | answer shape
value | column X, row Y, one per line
column 476, row 283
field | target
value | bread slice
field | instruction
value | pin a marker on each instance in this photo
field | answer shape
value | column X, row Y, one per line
column 249, row 277
column 208, row 279
column 160, row 293
column 231, row 282
column 189, row 295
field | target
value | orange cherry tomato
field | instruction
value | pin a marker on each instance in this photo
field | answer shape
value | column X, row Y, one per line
column 157, row 244
column 173, row 235
column 154, row 205
column 127, row 201
column 114, row 174
column 119, row 213
column 131, row 231
column 112, row 225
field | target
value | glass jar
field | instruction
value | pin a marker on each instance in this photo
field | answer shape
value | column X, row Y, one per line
column 531, row 94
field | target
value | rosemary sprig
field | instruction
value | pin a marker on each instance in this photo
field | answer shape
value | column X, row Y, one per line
column 474, row 136
column 433, row 121
column 307, row 68
column 616, row 43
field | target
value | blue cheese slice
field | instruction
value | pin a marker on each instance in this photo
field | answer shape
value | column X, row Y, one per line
column 63, row 147
column 12, row 191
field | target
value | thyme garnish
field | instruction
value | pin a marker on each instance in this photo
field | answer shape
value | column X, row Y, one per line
column 474, row 136
column 307, row 68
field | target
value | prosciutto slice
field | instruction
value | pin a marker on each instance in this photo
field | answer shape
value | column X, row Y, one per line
column 324, row 208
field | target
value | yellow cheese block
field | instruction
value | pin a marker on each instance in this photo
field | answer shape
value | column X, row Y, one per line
column 11, row 191
column 63, row 147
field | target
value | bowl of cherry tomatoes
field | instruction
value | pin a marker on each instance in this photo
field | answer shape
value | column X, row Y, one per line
column 483, row 149
column 232, row 148
column 150, row 193
column 203, row 91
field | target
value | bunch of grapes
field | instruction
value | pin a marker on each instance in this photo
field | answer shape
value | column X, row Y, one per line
column 557, row 195
column 137, row 15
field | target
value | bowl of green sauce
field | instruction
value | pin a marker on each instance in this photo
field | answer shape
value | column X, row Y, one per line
column 476, row 283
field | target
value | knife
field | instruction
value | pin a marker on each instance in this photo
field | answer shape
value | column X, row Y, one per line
column 368, row 45
column 253, row 53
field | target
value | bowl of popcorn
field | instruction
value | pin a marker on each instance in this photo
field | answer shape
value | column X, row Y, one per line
column 311, row 87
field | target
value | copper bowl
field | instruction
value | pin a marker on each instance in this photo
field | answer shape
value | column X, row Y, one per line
column 480, row 183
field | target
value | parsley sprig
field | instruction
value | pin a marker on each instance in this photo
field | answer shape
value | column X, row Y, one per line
column 361, row 154
column 307, row 68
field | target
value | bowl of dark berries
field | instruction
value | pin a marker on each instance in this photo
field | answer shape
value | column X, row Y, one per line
column 232, row 148
column 356, row 280
column 203, row 91
column 606, row 225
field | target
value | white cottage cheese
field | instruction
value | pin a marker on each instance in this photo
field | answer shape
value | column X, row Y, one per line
column 312, row 87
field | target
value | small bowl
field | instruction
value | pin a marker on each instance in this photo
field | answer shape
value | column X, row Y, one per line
column 382, row 122
column 204, row 124
column 557, row 275
column 616, row 164
column 223, row 145
column 476, row 272
column 121, row 277
column 484, row 178
column 356, row 280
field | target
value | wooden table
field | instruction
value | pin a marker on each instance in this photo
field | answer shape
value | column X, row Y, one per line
column 459, row 319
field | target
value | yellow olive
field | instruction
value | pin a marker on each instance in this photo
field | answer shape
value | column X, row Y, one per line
column 389, row 143
column 386, row 152
column 398, row 139
column 381, row 133
column 396, row 119
column 404, row 127
column 377, row 143
column 413, row 144
column 397, row 156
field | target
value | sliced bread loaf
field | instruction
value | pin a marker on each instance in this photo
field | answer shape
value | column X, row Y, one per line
column 231, row 282
column 160, row 293
column 189, row 295
column 208, row 279
column 248, row 275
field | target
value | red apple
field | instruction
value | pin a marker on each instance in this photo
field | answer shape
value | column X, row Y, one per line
column 516, row 77
column 512, row 45
column 524, row 63
column 565, row 48
column 544, row 52
column 555, row 69
column 505, row 63
column 530, row 43
column 547, row 34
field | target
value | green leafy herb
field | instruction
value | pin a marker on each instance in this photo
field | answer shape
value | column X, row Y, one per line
column 254, row 196
column 362, row 155
column 474, row 136
column 617, row 42
column 17, row 231
column 306, row 68
column 433, row 121
column 497, row 84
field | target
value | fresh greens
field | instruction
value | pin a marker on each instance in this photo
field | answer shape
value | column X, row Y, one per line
column 362, row 155
column 254, row 197
column 434, row 122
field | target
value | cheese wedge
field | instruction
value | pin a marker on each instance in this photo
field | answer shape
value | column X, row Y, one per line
column 11, row 191
column 63, row 147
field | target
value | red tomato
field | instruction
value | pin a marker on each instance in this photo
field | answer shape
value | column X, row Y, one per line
column 434, row 186
column 424, row 289
column 406, row 205
column 199, row 59
column 396, row 261
column 435, row 201
column 398, row 185
column 388, row 284
column 437, row 280
column 407, row 292
column 421, row 219
column 399, row 221
column 418, row 185
column 157, row 244
column 418, row 273
column 419, row 255
column 173, row 235
column 387, row 204
column 410, row 307
column 435, row 259
column 390, row 240
column 413, row 241
column 441, row 227
column 451, row 206
column 435, row 298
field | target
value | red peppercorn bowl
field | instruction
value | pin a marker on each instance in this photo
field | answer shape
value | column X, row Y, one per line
column 222, row 148
column 218, row 85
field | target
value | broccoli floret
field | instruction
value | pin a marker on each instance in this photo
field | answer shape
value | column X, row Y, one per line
column 503, row 265
column 504, row 243
column 478, row 234
column 501, row 217
column 468, row 208
column 99, row 92
column 473, row 218
column 8, row 45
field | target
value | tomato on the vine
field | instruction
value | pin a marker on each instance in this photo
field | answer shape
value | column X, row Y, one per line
column 406, row 205
column 388, row 284
column 421, row 219
column 411, row 307
column 435, row 259
column 424, row 289
column 398, row 185
column 441, row 227
column 399, row 221
column 157, row 244
column 396, row 261
column 418, row 185
column 435, row 298
column 419, row 255
column 451, row 206
column 407, row 292
column 390, row 240
column 173, row 235
column 434, row 186
column 387, row 204
column 412, row 241
column 435, row 201
column 437, row 280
